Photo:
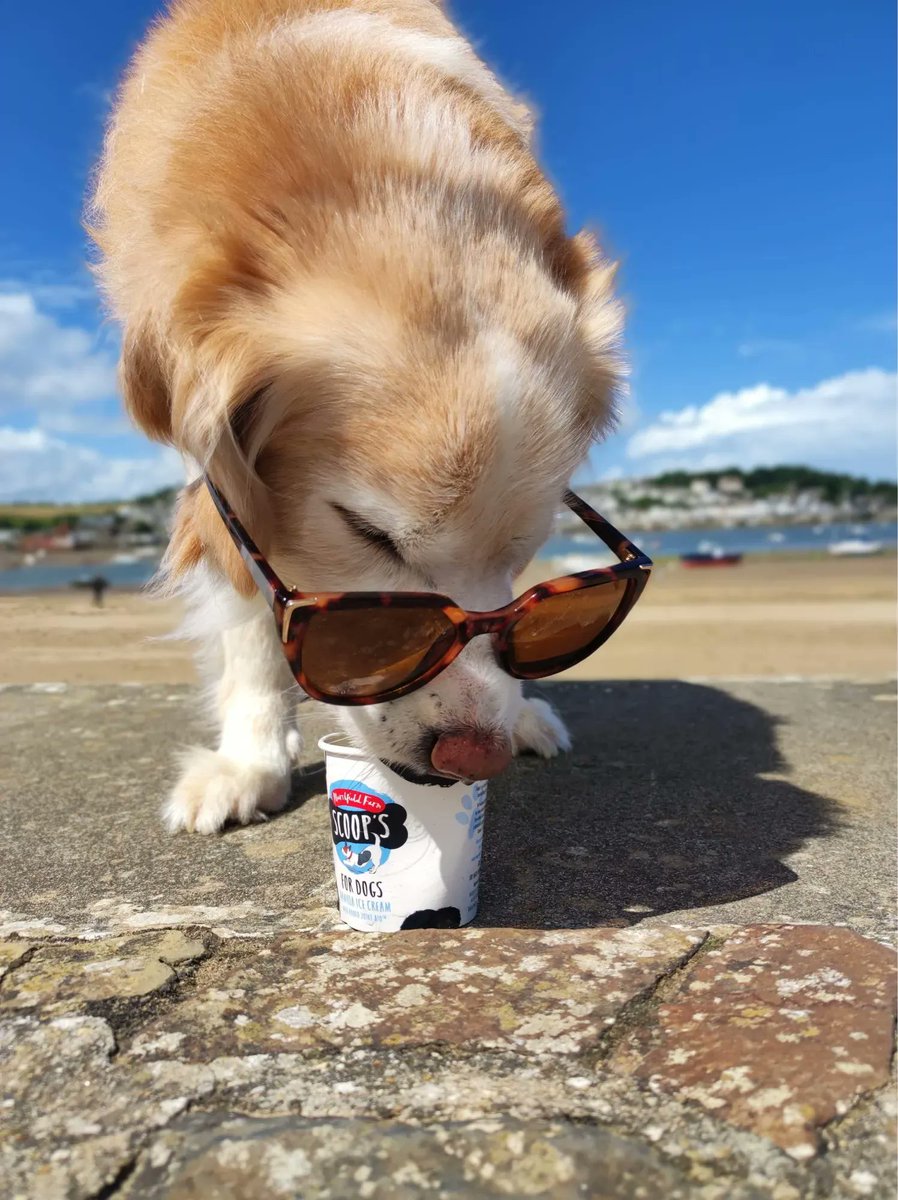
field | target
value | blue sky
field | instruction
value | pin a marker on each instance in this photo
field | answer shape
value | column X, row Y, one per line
column 737, row 158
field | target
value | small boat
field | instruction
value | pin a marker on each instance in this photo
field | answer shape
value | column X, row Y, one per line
column 776, row 537
column 855, row 548
column 708, row 555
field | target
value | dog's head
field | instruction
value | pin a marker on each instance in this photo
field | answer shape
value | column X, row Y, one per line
column 406, row 416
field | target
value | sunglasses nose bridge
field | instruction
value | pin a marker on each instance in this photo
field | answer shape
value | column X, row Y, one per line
column 478, row 626
column 494, row 627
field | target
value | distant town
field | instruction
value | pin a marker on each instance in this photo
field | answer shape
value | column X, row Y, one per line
column 769, row 496
column 732, row 499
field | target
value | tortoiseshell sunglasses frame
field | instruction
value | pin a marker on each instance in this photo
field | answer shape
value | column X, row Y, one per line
column 293, row 610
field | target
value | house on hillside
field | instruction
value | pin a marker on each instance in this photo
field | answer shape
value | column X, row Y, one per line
column 62, row 537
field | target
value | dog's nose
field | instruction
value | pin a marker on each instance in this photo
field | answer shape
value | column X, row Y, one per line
column 470, row 754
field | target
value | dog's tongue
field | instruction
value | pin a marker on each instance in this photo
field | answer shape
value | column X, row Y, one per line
column 469, row 754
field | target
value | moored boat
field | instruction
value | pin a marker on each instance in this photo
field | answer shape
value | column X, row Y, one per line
column 716, row 558
column 855, row 548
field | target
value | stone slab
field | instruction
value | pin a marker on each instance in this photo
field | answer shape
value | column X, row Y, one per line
column 226, row 1157
column 777, row 1029
column 71, row 1120
column 583, row 1043
column 536, row 992
column 72, row 976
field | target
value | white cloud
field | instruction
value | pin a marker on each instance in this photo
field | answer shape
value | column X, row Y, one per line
column 57, row 383
column 847, row 423
column 59, row 408
column 85, row 424
column 46, row 366
column 34, row 465
column 60, row 293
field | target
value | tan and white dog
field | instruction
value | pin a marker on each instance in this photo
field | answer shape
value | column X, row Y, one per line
column 346, row 289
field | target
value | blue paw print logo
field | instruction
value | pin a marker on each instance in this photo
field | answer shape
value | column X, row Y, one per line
column 467, row 814
column 464, row 817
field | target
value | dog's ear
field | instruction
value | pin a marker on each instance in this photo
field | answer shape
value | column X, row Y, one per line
column 143, row 384
column 215, row 429
column 197, row 532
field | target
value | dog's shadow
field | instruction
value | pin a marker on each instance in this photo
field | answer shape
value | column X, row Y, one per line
column 306, row 782
column 661, row 806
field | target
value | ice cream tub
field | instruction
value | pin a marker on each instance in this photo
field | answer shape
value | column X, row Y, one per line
column 406, row 855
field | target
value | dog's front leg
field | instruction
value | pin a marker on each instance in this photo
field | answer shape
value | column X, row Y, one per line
column 249, row 774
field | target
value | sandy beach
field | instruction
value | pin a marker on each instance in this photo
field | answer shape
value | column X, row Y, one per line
column 768, row 617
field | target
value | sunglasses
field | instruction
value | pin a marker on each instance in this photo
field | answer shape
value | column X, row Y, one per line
column 355, row 648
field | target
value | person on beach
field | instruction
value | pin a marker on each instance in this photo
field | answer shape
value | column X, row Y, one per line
column 98, row 586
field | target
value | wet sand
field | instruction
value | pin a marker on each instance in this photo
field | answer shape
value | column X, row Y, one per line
column 772, row 616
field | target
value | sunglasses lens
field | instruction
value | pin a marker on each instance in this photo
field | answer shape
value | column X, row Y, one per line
column 562, row 629
column 360, row 653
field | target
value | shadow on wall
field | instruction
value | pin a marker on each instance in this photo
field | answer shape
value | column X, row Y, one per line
column 661, row 806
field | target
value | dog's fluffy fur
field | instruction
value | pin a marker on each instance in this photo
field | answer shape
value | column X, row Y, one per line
column 343, row 280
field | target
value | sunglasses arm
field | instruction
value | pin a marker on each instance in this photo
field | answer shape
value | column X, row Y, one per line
column 279, row 598
column 613, row 538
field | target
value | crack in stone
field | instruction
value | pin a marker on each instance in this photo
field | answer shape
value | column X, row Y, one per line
column 25, row 957
column 639, row 1010
column 860, row 1104
column 126, row 1015
column 119, row 1180
column 817, row 1102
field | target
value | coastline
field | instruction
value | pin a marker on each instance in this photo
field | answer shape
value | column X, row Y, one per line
column 91, row 562
column 777, row 615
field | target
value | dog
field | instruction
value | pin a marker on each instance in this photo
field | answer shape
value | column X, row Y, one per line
column 346, row 292
column 362, row 858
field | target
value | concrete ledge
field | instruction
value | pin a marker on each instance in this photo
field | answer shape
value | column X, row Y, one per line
column 663, row 996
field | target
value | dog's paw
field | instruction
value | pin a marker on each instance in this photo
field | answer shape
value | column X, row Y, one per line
column 539, row 731
column 213, row 790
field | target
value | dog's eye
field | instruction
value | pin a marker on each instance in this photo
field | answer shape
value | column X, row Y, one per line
column 372, row 535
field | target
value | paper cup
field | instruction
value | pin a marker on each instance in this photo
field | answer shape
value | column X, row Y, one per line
column 406, row 856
